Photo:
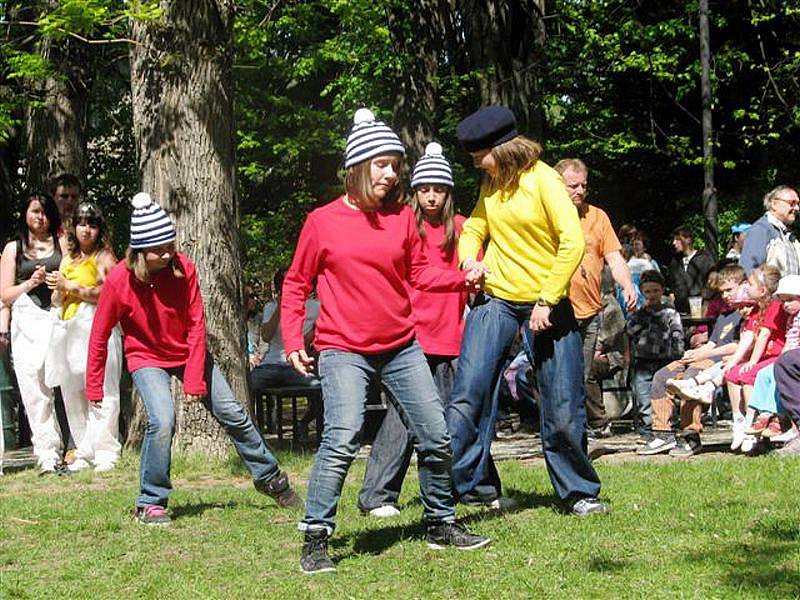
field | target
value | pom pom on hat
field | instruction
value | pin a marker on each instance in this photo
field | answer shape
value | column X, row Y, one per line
column 150, row 225
column 369, row 138
column 432, row 168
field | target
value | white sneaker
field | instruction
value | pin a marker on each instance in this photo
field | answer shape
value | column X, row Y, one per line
column 104, row 467
column 738, row 433
column 384, row 512
column 682, row 387
column 79, row 464
column 748, row 443
column 786, row 436
column 47, row 467
column 703, row 393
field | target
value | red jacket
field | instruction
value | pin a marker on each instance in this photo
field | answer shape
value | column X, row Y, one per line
column 162, row 320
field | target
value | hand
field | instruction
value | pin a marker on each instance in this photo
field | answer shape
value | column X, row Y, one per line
column 301, row 362
column 747, row 367
column 253, row 361
column 474, row 280
column 192, row 398
column 96, row 403
column 5, row 342
column 688, row 356
column 540, row 318
column 631, row 298
column 37, row 277
column 474, row 265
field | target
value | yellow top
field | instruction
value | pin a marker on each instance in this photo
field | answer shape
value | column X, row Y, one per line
column 83, row 273
column 535, row 238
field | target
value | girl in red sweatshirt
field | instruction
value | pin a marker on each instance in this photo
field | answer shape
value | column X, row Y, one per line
column 438, row 321
column 362, row 250
column 155, row 297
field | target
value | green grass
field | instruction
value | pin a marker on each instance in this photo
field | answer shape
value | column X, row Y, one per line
column 721, row 527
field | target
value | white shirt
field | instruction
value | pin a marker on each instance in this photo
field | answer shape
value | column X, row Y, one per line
column 275, row 354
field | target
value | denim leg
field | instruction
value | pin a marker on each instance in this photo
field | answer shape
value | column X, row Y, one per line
column 264, row 376
column 787, row 379
column 557, row 358
column 345, row 378
column 642, row 381
column 408, row 379
column 246, row 438
column 154, row 388
column 489, row 330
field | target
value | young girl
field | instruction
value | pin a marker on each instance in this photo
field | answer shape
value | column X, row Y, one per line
column 772, row 423
column 762, row 339
column 24, row 265
column 154, row 295
column 535, row 244
column 362, row 249
column 76, row 287
column 438, row 322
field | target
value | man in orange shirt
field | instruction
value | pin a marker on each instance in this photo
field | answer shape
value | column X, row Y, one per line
column 602, row 247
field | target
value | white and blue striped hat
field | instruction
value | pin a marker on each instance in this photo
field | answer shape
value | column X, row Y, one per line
column 369, row 138
column 432, row 167
column 150, row 225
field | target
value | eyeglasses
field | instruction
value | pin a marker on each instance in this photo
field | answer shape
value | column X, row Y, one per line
column 792, row 203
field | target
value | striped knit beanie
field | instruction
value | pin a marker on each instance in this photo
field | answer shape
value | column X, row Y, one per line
column 150, row 225
column 369, row 138
column 432, row 168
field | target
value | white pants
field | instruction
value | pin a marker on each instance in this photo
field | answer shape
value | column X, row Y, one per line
column 31, row 330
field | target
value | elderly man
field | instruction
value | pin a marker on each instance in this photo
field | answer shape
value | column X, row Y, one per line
column 602, row 247
column 770, row 239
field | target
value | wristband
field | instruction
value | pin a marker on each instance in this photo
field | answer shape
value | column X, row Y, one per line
column 543, row 303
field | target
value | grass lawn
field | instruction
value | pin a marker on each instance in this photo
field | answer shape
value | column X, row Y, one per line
column 716, row 527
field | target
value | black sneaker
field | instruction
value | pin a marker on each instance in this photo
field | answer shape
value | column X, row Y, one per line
column 278, row 488
column 443, row 535
column 687, row 445
column 314, row 558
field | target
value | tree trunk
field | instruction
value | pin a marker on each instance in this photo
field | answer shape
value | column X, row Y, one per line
column 709, row 191
column 505, row 43
column 56, row 123
column 183, row 125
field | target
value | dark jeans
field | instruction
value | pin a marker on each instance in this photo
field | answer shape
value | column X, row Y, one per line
column 391, row 451
column 265, row 376
column 787, row 378
column 557, row 358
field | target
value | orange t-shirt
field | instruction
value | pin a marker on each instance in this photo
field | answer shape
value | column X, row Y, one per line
column 584, row 289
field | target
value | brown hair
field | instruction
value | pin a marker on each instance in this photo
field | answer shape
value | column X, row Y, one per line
column 358, row 185
column 684, row 233
column 448, row 216
column 513, row 158
column 731, row 273
column 768, row 276
column 135, row 261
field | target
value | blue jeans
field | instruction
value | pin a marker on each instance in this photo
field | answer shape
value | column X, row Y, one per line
column 642, row 382
column 153, row 384
column 557, row 358
column 270, row 375
column 391, row 451
column 346, row 378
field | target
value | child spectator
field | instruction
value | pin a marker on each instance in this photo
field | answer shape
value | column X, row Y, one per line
column 772, row 423
column 762, row 340
column 677, row 381
column 656, row 339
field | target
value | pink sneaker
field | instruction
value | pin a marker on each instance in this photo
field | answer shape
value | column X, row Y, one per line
column 152, row 514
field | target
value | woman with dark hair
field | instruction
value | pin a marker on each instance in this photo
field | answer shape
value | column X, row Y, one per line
column 535, row 244
column 362, row 250
column 76, row 288
column 24, row 266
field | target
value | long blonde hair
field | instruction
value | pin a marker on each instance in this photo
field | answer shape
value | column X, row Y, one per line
column 513, row 157
column 768, row 277
column 358, row 185
column 135, row 261
column 448, row 217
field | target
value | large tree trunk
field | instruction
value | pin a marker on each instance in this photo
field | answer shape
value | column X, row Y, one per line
column 183, row 125
column 505, row 43
column 56, row 122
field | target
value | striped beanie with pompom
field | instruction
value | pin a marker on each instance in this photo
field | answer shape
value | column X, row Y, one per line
column 150, row 224
column 432, row 168
column 369, row 138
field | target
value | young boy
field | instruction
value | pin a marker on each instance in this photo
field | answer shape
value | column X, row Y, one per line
column 656, row 340
column 677, row 377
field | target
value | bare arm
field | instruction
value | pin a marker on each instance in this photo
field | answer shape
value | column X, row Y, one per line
column 63, row 287
column 8, row 272
column 270, row 326
column 622, row 275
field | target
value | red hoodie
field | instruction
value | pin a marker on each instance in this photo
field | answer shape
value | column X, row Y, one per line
column 162, row 320
column 361, row 262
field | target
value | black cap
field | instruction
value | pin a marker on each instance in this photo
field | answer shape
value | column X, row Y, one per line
column 487, row 127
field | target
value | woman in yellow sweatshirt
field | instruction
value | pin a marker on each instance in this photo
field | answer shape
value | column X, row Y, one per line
column 535, row 243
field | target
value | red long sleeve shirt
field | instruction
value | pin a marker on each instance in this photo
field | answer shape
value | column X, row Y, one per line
column 361, row 262
column 162, row 320
column 439, row 317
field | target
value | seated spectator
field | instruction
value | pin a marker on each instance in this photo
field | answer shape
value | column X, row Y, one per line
column 736, row 242
column 770, row 240
column 656, row 339
column 676, row 382
column 689, row 270
column 713, row 305
column 772, row 422
column 639, row 260
column 256, row 347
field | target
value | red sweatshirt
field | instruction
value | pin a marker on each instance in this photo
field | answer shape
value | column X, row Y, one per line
column 439, row 317
column 162, row 320
column 361, row 262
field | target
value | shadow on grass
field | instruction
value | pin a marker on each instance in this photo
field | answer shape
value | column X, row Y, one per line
column 193, row 510
column 608, row 565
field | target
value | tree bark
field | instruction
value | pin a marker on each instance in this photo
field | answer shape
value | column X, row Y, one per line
column 709, row 191
column 505, row 43
column 56, row 122
column 181, row 86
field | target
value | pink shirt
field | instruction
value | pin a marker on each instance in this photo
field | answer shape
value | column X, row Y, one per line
column 439, row 316
column 162, row 320
column 361, row 262
column 793, row 333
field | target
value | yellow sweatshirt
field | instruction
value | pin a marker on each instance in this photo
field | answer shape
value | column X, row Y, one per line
column 535, row 238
